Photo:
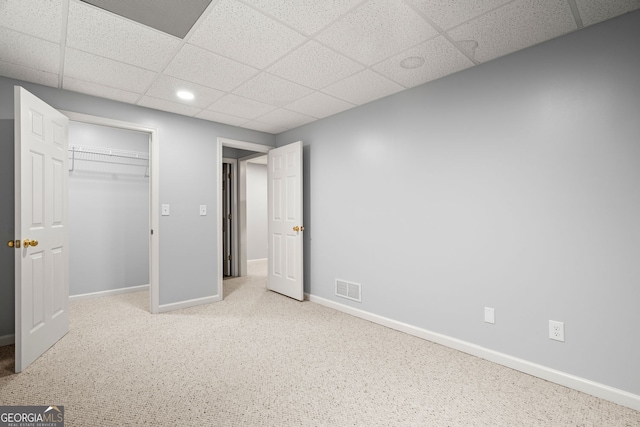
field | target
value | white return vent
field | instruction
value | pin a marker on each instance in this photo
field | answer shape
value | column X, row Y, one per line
column 349, row 290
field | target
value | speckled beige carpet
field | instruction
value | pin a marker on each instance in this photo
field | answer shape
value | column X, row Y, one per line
column 260, row 359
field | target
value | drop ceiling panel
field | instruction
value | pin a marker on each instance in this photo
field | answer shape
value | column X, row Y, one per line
column 236, row 31
column 166, row 87
column 20, row 72
column 208, row 69
column 273, row 90
column 286, row 118
column 307, row 16
column 241, row 107
column 169, row 16
column 319, row 105
column 264, row 127
column 593, row 12
column 101, row 91
column 34, row 17
column 215, row 116
column 447, row 14
column 21, row 49
column 376, row 30
column 102, row 33
column 96, row 69
column 515, row 26
column 315, row 66
column 363, row 87
column 171, row 107
column 440, row 59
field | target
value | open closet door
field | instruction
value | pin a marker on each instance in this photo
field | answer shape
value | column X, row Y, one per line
column 41, row 252
column 285, row 221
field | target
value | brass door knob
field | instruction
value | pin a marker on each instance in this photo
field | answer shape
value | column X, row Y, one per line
column 28, row 243
column 11, row 244
column 296, row 228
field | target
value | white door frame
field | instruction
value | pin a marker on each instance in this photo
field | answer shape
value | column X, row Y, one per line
column 242, row 145
column 154, row 206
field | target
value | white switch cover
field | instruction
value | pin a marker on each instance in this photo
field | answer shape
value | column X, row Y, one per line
column 165, row 210
column 489, row 315
column 203, row 210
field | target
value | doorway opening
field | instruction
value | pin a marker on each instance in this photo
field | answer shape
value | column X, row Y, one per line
column 232, row 241
column 147, row 167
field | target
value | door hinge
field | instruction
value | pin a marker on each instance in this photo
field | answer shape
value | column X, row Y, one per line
column 229, row 258
column 229, row 216
column 152, row 231
column 229, row 176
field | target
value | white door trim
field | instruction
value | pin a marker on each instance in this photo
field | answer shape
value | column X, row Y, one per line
column 242, row 145
column 154, row 206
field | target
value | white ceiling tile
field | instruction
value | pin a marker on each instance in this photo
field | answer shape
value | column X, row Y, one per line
column 244, row 34
column 96, row 69
column 440, row 59
column 376, row 30
column 34, row 17
column 166, row 87
column 319, row 105
column 285, row 118
column 95, row 89
column 29, row 51
column 307, row 16
column 515, row 26
column 271, row 89
column 172, row 107
column 208, row 69
column 363, row 87
column 264, row 127
column 447, row 14
column 215, row 116
column 20, row 72
column 241, row 107
column 102, row 33
column 314, row 65
column 596, row 11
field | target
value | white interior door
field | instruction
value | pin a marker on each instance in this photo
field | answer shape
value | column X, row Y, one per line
column 285, row 226
column 42, row 258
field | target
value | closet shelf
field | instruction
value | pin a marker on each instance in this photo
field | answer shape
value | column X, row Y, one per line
column 108, row 155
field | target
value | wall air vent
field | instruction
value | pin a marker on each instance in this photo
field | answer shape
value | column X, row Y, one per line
column 349, row 290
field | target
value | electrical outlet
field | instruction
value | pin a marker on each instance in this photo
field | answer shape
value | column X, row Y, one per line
column 556, row 330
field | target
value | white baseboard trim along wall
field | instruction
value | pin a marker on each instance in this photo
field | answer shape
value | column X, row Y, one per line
column 109, row 292
column 612, row 394
column 188, row 303
column 7, row 340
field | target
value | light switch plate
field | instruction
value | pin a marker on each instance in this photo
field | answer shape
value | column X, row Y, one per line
column 165, row 210
column 489, row 315
column 203, row 210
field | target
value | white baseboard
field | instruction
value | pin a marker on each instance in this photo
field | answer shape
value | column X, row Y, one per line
column 189, row 303
column 612, row 394
column 109, row 292
column 7, row 340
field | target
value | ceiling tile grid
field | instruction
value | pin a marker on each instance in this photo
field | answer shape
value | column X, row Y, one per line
column 272, row 65
column 104, row 34
column 237, row 31
column 516, row 26
column 34, row 17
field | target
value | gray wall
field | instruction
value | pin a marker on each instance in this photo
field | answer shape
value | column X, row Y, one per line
column 188, row 154
column 108, row 212
column 256, row 211
column 7, row 255
column 512, row 185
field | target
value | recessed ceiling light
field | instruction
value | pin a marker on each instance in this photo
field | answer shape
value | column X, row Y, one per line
column 411, row 62
column 183, row 94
